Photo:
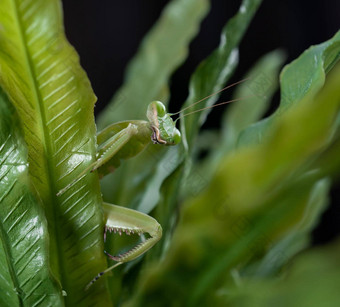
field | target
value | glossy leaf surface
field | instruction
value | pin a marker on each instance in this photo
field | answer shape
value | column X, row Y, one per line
column 40, row 73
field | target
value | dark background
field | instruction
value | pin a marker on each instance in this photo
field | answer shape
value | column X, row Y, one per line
column 107, row 33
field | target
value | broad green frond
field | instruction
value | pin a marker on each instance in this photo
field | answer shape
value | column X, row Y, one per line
column 40, row 73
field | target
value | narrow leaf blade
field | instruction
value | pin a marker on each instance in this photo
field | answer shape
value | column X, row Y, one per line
column 163, row 49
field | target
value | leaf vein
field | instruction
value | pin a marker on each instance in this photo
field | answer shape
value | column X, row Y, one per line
column 67, row 142
column 54, row 78
column 49, row 68
column 59, row 88
column 64, row 122
column 40, row 300
column 75, row 204
column 71, row 169
column 28, row 260
column 61, row 113
column 62, row 135
column 33, row 39
column 28, row 12
column 9, row 190
column 13, row 209
column 38, row 284
column 27, row 231
column 91, row 230
column 73, row 194
column 61, row 98
column 17, row 221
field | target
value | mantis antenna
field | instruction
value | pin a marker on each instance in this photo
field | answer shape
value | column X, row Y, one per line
column 213, row 106
column 213, row 94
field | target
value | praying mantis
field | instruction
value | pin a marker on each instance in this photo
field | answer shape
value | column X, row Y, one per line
column 124, row 140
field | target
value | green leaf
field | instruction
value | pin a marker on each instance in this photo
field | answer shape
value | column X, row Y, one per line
column 301, row 78
column 213, row 72
column 258, row 92
column 41, row 74
column 163, row 49
column 25, row 278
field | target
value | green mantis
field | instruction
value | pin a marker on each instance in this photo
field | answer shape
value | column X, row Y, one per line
column 121, row 141
column 124, row 140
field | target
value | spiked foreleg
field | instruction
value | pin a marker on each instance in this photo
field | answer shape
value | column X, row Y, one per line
column 106, row 152
column 113, row 145
column 124, row 220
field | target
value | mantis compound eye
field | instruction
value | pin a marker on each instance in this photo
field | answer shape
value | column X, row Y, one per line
column 176, row 137
column 155, row 109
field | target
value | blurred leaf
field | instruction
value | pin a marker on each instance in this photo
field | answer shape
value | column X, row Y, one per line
column 163, row 49
column 297, row 238
column 257, row 93
column 41, row 74
column 312, row 280
column 214, row 71
column 301, row 78
column 25, row 277
column 263, row 83
column 256, row 197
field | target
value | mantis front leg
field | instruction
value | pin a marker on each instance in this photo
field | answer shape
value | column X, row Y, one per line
column 125, row 220
column 115, row 141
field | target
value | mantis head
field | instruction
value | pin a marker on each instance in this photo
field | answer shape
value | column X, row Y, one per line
column 163, row 127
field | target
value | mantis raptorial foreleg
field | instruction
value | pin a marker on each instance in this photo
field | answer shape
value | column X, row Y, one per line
column 128, row 221
column 112, row 148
